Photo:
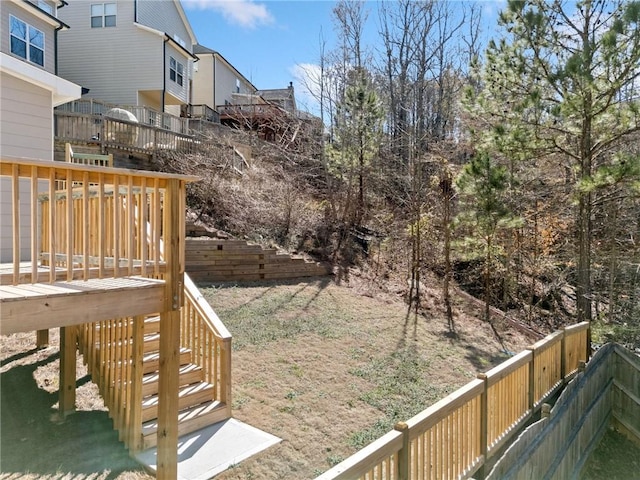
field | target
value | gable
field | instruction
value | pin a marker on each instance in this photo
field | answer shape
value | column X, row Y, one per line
column 168, row 17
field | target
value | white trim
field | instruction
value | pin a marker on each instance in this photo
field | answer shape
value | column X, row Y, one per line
column 51, row 20
column 185, row 20
column 149, row 29
column 62, row 90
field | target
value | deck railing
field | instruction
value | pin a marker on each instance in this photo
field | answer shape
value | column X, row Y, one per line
column 193, row 119
column 118, row 133
column 456, row 436
column 144, row 115
column 79, row 221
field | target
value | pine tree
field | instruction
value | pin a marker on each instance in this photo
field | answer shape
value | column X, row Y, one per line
column 562, row 79
column 483, row 184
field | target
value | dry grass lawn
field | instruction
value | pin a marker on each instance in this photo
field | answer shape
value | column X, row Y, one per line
column 325, row 367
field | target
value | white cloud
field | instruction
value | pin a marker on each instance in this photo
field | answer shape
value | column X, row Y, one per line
column 246, row 13
column 307, row 85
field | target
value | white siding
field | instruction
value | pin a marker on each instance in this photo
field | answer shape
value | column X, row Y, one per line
column 26, row 120
column 26, row 130
column 25, row 14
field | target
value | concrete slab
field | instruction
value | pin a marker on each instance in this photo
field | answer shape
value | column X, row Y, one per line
column 210, row 451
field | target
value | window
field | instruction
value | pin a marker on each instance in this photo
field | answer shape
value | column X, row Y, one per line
column 45, row 6
column 103, row 15
column 26, row 41
column 179, row 41
column 176, row 71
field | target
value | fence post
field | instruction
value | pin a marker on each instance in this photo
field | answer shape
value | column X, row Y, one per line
column 484, row 424
column 532, row 383
column 404, row 453
column 563, row 354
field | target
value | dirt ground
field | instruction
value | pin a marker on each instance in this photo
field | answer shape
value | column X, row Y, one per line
column 325, row 367
column 615, row 458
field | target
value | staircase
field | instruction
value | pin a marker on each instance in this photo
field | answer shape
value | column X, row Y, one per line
column 197, row 409
column 123, row 358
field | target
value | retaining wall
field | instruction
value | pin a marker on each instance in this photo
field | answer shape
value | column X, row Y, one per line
column 219, row 260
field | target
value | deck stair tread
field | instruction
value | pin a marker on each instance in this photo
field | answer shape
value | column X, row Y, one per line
column 189, row 420
column 151, row 361
column 189, row 374
column 188, row 396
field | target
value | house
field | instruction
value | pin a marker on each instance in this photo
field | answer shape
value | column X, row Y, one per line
column 217, row 82
column 129, row 52
column 30, row 89
column 98, row 252
column 283, row 97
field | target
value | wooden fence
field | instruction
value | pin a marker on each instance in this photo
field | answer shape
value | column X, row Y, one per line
column 557, row 446
column 458, row 435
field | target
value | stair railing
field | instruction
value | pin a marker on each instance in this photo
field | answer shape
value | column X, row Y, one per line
column 205, row 335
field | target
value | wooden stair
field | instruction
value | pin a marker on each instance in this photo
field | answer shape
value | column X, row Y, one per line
column 196, row 407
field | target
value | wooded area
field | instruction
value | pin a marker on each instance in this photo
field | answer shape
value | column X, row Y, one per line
column 510, row 166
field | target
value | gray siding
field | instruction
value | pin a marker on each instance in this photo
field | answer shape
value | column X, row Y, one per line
column 173, row 88
column 24, row 14
column 126, row 64
column 225, row 83
column 163, row 15
column 26, row 120
column 114, row 62
column 215, row 82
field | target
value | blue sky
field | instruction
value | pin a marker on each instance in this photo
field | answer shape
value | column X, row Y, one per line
column 269, row 41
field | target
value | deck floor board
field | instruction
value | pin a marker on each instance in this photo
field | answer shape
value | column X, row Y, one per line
column 35, row 306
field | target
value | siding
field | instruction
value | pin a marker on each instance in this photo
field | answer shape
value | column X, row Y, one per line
column 124, row 64
column 225, row 83
column 180, row 92
column 115, row 62
column 24, row 14
column 26, row 120
column 203, row 81
column 163, row 15
column 26, row 130
column 214, row 74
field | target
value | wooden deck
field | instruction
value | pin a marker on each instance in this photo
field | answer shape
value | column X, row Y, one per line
column 40, row 306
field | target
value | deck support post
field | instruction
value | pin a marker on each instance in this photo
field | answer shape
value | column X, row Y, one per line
column 42, row 339
column 67, row 391
column 168, row 383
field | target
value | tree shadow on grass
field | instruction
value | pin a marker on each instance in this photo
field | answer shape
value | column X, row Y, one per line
column 85, row 444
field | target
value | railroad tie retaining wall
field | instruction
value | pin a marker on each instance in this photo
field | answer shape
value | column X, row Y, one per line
column 220, row 260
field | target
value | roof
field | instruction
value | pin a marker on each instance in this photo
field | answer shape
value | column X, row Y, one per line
column 276, row 93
